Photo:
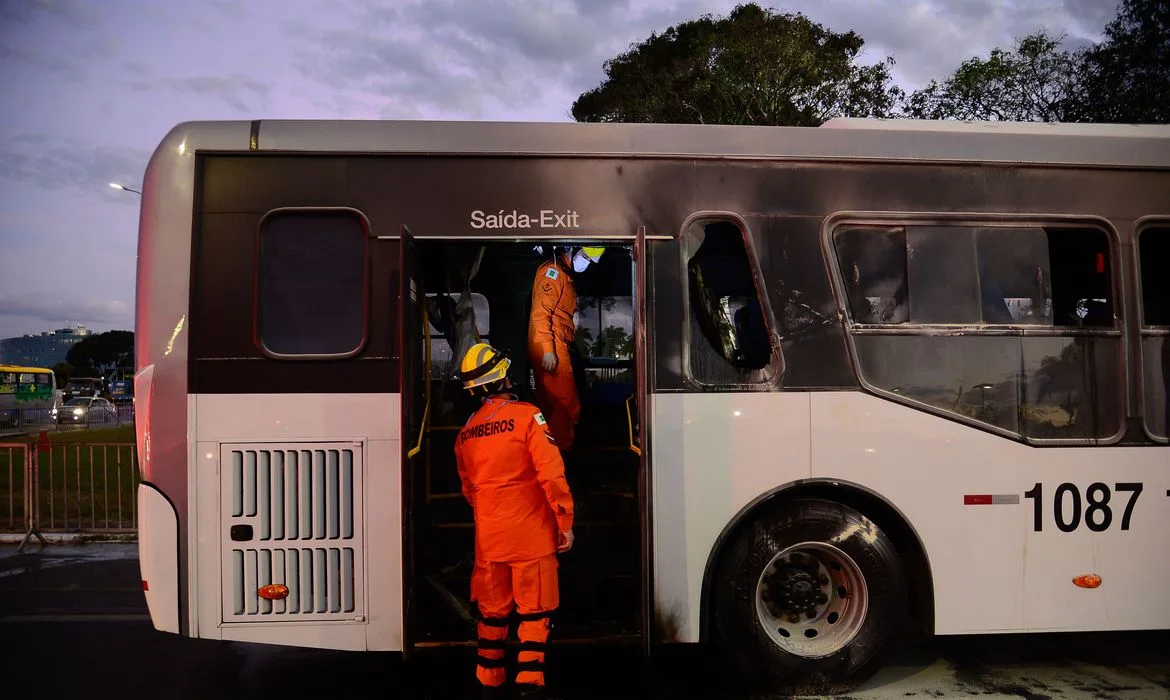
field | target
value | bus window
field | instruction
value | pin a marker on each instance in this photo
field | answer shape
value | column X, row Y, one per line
column 728, row 339
column 311, row 284
column 1015, row 280
column 1153, row 253
column 873, row 264
column 1055, row 385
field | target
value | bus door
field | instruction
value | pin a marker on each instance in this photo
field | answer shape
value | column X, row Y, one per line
column 638, row 412
column 412, row 324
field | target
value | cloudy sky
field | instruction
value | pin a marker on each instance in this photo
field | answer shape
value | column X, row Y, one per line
column 90, row 87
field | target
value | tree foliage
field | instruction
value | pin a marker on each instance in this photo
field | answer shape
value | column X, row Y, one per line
column 103, row 352
column 1036, row 82
column 1127, row 76
column 755, row 66
column 1123, row 79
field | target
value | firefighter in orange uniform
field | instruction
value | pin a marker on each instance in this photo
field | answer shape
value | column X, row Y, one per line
column 552, row 329
column 514, row 479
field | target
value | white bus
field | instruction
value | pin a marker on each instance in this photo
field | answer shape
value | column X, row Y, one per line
column 855, row 377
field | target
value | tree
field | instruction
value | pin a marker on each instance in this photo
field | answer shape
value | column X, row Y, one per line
column 613, row 341
column 64, row 372
column 1128, row 74
column 103, row 352
column 754, row 66
column 1038, row 81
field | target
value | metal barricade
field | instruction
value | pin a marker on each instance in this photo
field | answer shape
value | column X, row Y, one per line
column 82, row 488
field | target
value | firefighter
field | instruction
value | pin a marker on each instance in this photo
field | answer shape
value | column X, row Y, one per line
column 513, row 477
column 552, row 330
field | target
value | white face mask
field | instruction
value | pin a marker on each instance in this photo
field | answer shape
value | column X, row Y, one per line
column 580, row 262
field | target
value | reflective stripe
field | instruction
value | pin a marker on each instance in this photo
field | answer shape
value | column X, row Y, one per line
column 533, row 646
column 536, row 666
column 493, row 644
column 485, row 662
column 493, row 621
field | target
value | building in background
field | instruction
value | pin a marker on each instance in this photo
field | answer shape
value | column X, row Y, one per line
column 43, row 350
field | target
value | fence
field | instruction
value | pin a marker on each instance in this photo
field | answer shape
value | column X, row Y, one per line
column 65, row 417
column 68, row 487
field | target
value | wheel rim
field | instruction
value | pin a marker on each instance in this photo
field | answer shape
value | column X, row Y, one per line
column 811, row 599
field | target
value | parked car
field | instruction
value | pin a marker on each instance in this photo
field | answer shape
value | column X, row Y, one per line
column 84, row 410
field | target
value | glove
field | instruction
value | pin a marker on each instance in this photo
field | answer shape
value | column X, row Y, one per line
column 565, row 541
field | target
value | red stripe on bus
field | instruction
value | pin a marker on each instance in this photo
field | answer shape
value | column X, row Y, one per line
column 977, row 500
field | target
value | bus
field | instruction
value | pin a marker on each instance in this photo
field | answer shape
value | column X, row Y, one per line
column 121, row 385
column 860, row 379
column 27, row 395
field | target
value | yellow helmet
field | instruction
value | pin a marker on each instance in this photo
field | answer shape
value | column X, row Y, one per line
column 593, row 252
column 482, row 365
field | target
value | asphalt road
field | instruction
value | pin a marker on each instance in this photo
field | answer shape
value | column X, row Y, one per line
column 73, row 624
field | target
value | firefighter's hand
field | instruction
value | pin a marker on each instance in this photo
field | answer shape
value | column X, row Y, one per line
column 550, row 362
column 565, row 541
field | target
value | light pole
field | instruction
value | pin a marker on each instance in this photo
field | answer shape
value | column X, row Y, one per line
column 123, row 187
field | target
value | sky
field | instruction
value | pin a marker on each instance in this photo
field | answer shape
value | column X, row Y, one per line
column 90, row 87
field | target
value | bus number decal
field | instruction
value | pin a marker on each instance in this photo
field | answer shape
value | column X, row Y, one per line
column 1067, row 506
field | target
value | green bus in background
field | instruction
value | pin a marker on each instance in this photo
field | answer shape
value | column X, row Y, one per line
column 27, row 395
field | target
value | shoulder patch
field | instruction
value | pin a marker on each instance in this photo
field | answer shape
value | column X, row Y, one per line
column 551, row 273
column 539, row 417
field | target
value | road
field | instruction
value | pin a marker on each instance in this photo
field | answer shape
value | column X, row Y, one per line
column 73, row 624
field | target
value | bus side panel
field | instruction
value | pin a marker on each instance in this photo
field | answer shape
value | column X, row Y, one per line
column 311, row 560
column 714, row 453
column 161, row 320
column 965, row 490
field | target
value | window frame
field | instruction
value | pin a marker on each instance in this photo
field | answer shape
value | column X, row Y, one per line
column 257, row 338
column 776, row 364
column 845, row 219
column 1146, row 330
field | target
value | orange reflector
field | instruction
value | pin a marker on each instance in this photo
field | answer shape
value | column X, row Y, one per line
column 274, row 591
column 1087, row 581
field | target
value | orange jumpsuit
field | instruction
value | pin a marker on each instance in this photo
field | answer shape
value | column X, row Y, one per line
column 551, row 328
column 513, row 477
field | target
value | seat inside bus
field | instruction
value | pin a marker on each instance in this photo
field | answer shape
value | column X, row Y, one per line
column 488, row 287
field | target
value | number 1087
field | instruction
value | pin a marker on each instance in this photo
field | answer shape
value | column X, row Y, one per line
column 1067, row 506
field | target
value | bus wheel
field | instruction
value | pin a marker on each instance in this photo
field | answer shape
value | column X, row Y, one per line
column 807, row 596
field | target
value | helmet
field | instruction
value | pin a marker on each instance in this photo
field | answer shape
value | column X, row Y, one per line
column 593, row 252
column 586, row 256
column 483, row 365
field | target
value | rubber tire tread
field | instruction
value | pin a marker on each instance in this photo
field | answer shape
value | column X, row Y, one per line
column 737, row 633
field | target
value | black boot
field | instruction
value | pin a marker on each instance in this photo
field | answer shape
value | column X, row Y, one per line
column 493, row 692
column 528, row 691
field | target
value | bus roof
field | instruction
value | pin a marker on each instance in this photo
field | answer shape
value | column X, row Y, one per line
column 1002, row 127
column 20, row 368
column 838, row 139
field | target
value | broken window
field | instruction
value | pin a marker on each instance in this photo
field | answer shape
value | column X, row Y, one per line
column 729, row 340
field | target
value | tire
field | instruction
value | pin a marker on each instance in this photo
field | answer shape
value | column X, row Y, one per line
column 858, row 598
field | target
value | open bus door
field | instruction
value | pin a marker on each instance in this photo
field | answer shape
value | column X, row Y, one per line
column 415, row 410
column 638, row 414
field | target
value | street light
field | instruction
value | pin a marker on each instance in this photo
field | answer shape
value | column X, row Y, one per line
column 123, row 187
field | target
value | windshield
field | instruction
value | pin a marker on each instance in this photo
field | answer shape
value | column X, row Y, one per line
column 85, row 401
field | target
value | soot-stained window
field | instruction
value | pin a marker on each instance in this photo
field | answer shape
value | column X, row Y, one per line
column 1037, row 355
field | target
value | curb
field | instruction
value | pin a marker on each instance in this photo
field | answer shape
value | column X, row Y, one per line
column 68, row 538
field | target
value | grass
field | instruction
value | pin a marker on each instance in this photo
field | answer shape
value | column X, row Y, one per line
column 121, row 433
column 87, row 480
